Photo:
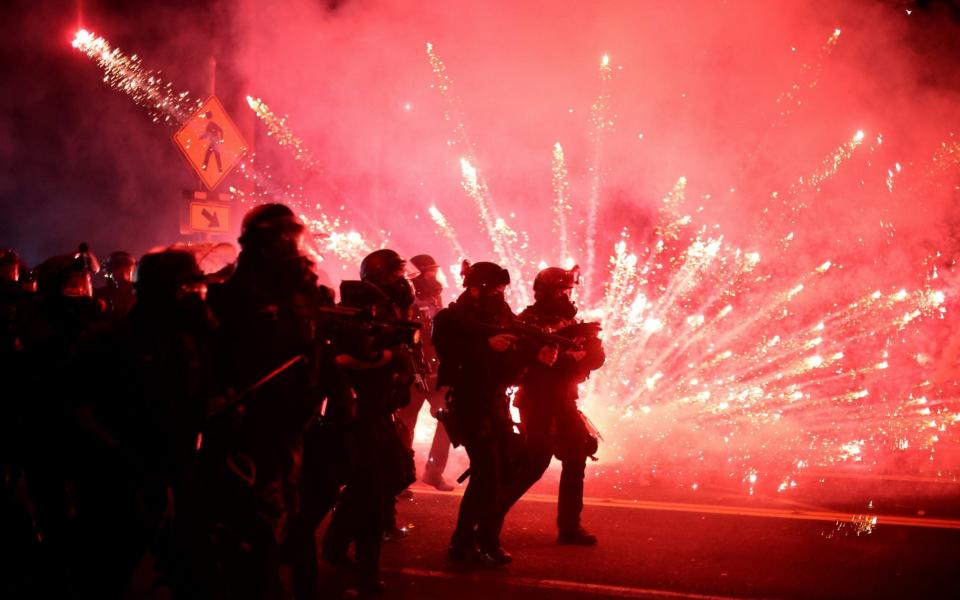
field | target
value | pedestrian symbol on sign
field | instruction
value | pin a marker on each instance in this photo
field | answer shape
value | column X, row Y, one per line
column 214, row 137
column 211, row 143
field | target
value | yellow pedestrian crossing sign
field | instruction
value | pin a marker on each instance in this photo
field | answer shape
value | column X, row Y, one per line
column 211, row 142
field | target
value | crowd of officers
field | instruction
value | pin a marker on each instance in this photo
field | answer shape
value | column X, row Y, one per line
column 212, row 422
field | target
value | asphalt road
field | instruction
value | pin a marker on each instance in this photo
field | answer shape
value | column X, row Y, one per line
column 712, row 544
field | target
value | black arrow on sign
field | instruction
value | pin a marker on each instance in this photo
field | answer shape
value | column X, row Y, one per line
column 213, row 220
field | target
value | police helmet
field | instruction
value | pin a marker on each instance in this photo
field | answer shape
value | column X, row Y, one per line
column 380, row 264
column 54, row 273
column 119, row 260
column 424, row 262
column 9, row 257
column 485, row 275
column 268, row 220
column 554, row 278
column 164, row 273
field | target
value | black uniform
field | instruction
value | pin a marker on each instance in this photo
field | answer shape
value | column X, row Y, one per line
column 139, row 433
column 117, row 296
column 478, row 378
column 553, row 424
column 428, row 304
column 324, row 469
column 381, row 461
column 50, row 326
column 266, row 315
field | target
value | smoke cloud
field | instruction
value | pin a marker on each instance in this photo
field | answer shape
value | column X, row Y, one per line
column 806, row 132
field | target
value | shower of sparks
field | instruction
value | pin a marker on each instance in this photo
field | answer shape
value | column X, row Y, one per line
column 349, row 247
column 892, row 172
column 561, row 200
column 947, row 156
column 128, row 75
column 601, row 123
column 720, row 360
column 452, row 112
column 793, row 200
column 508, row 245
column 278, row 129
column 791, row 99
column 714, row 367
column 448, row 232
column 830, row 165
column 857, row 525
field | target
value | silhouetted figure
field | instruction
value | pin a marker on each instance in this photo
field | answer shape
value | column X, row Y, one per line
column 478, row 365
column 380, row 372
column 118, row 294
column 139, row 426
column 266, row 315
column 428, row 303
column 17, row 539
column 49, row 328
column 11, row 296
column 547, row 401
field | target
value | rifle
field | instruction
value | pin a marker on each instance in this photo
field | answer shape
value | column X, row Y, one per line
column 521, row 330
column 385, row 332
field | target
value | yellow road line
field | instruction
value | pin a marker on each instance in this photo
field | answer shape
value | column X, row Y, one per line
column 952, row 480
column 743, row 511
column 594, row 589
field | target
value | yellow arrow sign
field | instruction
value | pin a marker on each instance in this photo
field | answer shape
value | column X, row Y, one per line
column 213, row 218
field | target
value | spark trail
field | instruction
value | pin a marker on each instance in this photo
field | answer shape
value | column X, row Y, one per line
column 509, row 246
column 790, row 99
column 601, row 124
column 561, row 201
column 128, row 75
column 448, row 232
column 278, row 129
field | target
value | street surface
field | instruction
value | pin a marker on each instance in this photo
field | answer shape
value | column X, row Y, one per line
column 704, row 544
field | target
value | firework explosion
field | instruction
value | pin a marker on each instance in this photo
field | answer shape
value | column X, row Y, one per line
column 751, row 363
column 718, row 366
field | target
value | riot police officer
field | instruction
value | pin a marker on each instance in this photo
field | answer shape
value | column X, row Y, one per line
column 428, row 303
column 118, row 295
column 267, row 320
column 478, row 362
column 138, row 433
column 49, row 326
column 380, row 372
column 547, row 401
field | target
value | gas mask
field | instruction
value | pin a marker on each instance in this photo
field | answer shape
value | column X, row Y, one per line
column 492, row 303
column 400, row 292
column 427, row 287
column 560, row 306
